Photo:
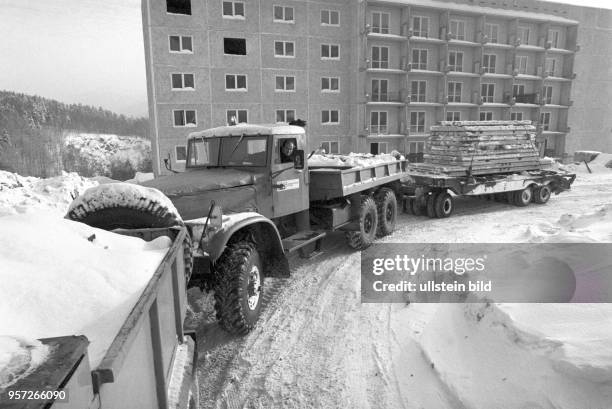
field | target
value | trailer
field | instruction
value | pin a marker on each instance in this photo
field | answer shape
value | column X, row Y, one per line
column 149, row 364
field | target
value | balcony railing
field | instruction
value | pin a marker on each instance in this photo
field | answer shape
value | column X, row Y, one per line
column 385, row 97
column 379, row 130
column 382, row 64
column 527, row 98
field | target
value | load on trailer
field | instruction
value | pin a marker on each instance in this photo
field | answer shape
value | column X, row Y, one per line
column 249, row 198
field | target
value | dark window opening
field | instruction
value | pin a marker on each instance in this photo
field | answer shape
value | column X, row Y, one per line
column 179, row 6
column 181, row 153
column 235, row 46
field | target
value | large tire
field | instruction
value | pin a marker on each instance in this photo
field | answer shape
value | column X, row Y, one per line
column 368, row 224
column 239, row 287
column 542, row 194
column 386, row 207
column 443, row 205
column 523, row 197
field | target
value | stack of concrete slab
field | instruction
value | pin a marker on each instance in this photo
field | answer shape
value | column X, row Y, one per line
column 480, row 148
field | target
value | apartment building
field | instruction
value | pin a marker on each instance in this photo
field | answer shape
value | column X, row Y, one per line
column 367, row 76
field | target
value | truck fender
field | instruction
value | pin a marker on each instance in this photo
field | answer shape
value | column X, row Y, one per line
column 262, row 231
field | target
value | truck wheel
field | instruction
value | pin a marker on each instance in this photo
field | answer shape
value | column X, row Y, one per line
column 443, row 205
column 386, row 206
column 368, row 224
column 542, row 194
column 523, row 197
column 431, row 205
column 238, row 287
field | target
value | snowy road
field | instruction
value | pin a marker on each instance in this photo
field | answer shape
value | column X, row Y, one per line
column 316, row 345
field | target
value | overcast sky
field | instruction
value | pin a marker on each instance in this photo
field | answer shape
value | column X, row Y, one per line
column 88, row 51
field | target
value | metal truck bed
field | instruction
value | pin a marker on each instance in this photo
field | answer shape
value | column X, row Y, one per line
column 335, row 182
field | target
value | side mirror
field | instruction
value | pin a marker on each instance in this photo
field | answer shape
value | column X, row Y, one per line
column 298, row 159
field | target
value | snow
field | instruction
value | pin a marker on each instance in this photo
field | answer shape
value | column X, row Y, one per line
column 66, row 278
column 353, row 160
column 141, row 177
column 21, row 194
column 18, row 358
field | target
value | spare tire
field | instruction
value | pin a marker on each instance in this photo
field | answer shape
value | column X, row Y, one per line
column 124, row 205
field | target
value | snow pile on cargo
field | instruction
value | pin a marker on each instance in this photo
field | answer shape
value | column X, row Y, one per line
column 537, row 355
column 353, row 160
column 20, row 194
column 61, row 278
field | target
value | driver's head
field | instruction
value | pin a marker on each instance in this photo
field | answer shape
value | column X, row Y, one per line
column 288, row 148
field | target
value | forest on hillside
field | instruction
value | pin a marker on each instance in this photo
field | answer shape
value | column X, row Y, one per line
column 33, row 130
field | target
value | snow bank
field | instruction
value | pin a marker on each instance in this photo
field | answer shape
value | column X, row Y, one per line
column 523, row 355
column 20, row 194
column 61, row 277
column 18, row 358
column 601, row 164
column 353, row 159
column 141, row 177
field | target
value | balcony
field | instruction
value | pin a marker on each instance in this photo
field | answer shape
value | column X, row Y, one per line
column 382, row 66
column 385, row 98
column 379, row 130
column 527, row 98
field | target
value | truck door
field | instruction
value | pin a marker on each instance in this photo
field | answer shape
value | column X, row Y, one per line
column 289, row 185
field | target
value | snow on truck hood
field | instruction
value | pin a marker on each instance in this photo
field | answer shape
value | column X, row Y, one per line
column 59, row 277
column 201, row 180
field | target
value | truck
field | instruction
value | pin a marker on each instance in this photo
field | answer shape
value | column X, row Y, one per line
column 249, row 198
column 149, row 364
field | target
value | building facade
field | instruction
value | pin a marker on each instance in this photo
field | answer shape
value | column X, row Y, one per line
column 368, row 76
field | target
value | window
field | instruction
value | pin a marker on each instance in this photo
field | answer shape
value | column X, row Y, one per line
column 236, row 116
column 380, row 57
column 283, row 14
column 380, row 22
column 518, row 89
column 486, row 116
column 492, row 32
column 285, row 83
column 330, row 84
column 417, row 122
column 235, row 82
column 420, row 26
column 178, row 6
column 516, row 116
column 453, row 116
column 545, row 120
column 553, row 37
column 487, row 92
column 330, row 51
column 182, row 81
column 378, row 123
column 378, row 147
column 330, row 117
column 330, row 146
column 234, row 46
column 184, row 117
column 547, row 94
column 457, row 28
column 416, row 147
column 455, row 61
column 520, row 64
column 284, row 49
column 419, row 59
column 181, row 153
column 488, row 63
column 285, row 115
column 233, row 9
column 330, row 18
column 523, row 35
column 418, row 90
column 379, row 90
column 550, row 67
column 454, row 91
column 181, row 44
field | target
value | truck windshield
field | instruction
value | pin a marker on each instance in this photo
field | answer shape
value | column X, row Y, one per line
column 235, row 151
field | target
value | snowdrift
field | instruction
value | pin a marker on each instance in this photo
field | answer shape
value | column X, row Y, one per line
column 66, row 278
column 352, row 160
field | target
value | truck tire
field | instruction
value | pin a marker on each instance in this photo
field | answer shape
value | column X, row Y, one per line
column 368, row 224
column 386, row 207
column 523, row 197
column 443, row 205
column 542, row 194
column 238, row 287
column 431, row 205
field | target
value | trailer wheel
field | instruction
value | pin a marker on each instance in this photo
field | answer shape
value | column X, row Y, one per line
column 542, row 194
column 386, row 206
column 431, row 205
column 523, row 197
column 239, row 287
column 368, row 224
column 443, row 205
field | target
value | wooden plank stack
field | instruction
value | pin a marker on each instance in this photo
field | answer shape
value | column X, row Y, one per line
column 480, row 148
